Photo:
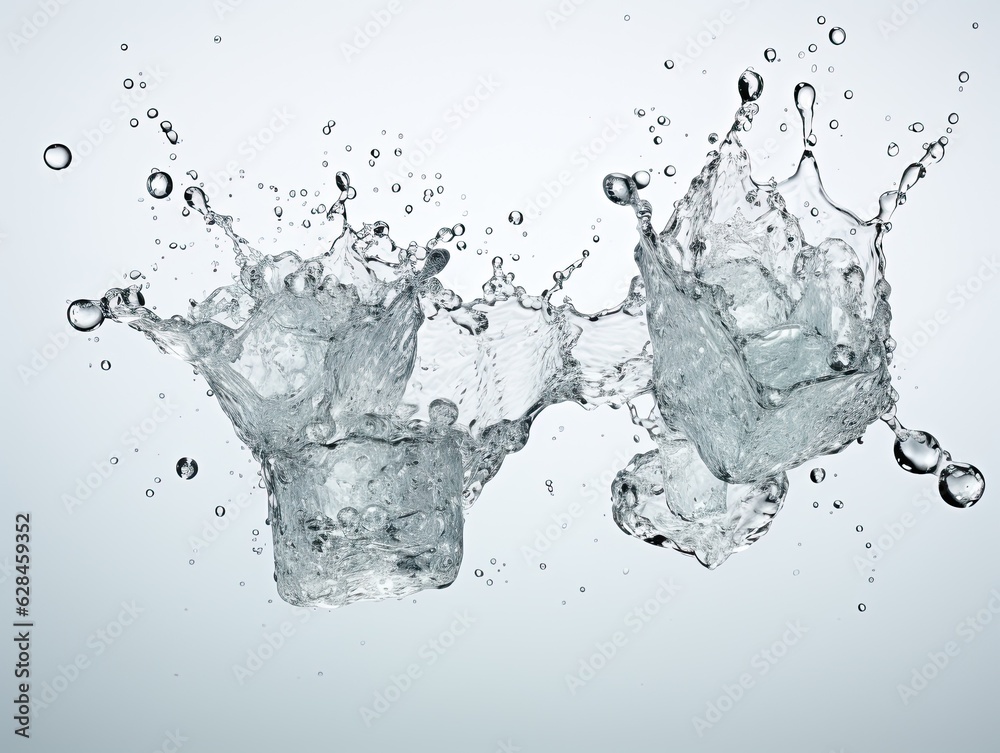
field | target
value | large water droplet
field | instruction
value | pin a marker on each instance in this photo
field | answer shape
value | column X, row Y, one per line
column 918, row 452
column 805, row 100
column 196, row 199
column 770, row 55
column 187, row 468
column 57, row 156
column 837, row 35
column 515, row 218
column 816, row 475
column 619, row 188
column 750, row 85
column 961, row 484
column 85, row 315
column 159, row 184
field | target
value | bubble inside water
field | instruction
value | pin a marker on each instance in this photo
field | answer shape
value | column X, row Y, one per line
column 187, row 468
column 57, row 156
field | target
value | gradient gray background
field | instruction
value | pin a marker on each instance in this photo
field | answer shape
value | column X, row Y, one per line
column 502, row 685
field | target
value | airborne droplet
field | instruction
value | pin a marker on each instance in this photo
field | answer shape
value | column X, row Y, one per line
column 187, row 468
column 85, row 315
column 919, row 452
column 816, row 475
column 961, row 484
column 159, row 185
column 57, row 156
column 515, row 218
column 837, row 35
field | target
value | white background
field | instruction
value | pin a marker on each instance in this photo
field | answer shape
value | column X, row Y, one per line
column 502, row 684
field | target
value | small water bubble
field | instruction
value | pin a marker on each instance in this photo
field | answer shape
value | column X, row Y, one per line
column 814, row 212
column 816, row 475
column 813, row 48
column 57, row 156
column 220, row 511
column 641, row 178
column 124, row 47
column 408, row 208
column 953, row 118
column 542, row 566
column 917, row 127
column 128, row 83
column 159, row 184
column 859, row 529
column 893, row 149
column 770, row 55
column 150, row 492
column 114, row 461
column 619, row 188
column 106, row 365
column 479, row 573
column 582, row 589
column 670, row 171
column 848, row 94
column 668, row 64
column 278, row 211
column 217, row 39
column 396, row 187
column 152, row 112
column 838, row 35
column 134, row 122
column 821, row 20
column 816, row 504
column 961, row 484
column 963, row 76
column 838, row 504
column 515, row 218
column 834, row 124
column 862, row 607
column 187, row 468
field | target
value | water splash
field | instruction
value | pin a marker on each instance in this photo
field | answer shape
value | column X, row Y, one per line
column 379, row 402
column 770, row 342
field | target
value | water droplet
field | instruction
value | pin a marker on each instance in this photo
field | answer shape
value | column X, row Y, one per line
column 150, row 492
column 816, row 475
column 106, row 365
column 124, row 47
column 838, row 35
column 217, row 39
column 953, row 118
column 795, row 572
column 893, row 149
column 159, row 185
column 961, row 484
column 668, row 64
column 515, row 218
column 278, row 212
column 963, row 76
column 479, row 573
column 542, row 566
column 395, row 187
column 751, row 85
column 816, row 505
column 640, row 178
column 918, row 452
column 619, row 188
column 834, row 125
column 220, row 511
column 770, row 55
column 134, row 122
column 442, row 412
column 838, row 504
column 152, row 113
column 582, row 589
column 187, row 468
column 848, row 94
column 84, row 315
column 114, row 461
column 57, row 156
column 821, row 20
column 862, row 607
column 128, row 83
